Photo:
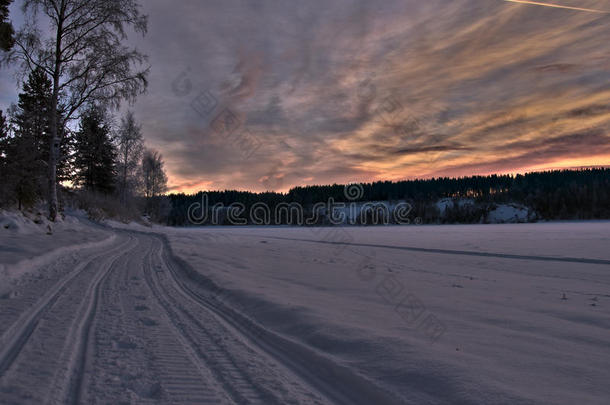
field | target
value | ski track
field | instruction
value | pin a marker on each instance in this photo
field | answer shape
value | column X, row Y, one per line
column 580, row 260
column 130, row 323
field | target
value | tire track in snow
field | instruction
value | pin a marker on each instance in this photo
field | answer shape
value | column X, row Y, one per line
column 335, row 382
column 42, row 348
column 184, row 377
column 197, row 352
column 581, row 260
column 119, row 365
column 78, row 339
column 136, row 355
column 203, row 349
column 16, row 336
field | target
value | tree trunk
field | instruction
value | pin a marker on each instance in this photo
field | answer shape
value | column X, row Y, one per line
column 54, row 144
column 124, row 187
column 52, row 176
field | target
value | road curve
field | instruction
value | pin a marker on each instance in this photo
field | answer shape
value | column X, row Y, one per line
column 132, row 323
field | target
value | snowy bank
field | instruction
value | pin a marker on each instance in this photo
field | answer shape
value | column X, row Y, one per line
column 509, row 213
column 29, row 241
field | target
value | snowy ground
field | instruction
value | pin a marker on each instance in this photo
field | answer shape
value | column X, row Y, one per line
column 481, row 314
column 26, row 246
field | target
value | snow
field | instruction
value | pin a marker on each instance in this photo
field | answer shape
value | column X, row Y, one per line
column 19, row 223
column 444, row 203
column 493, row 214
column 490, row 313
column 133, row 226
column 508, row 213
column 30, row 241
column 505, row 322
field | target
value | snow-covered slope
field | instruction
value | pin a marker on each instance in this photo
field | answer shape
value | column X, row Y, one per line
column 30, row 241
column 445, row 203
column 508, row 213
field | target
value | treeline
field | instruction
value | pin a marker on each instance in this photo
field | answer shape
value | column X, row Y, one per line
column 558, row 194
column 552, row 195
column 103, row 165
column 60, row 140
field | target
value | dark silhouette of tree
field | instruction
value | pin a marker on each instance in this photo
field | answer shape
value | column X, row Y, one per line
column 3, row 132
column 5, row 194
column 7, row 32
column 23, row 168
column 130, row 149
column 153, row 174
column 561, row 194
column 27, row 150
column 154, row 184
column 32, row 115
column 85, row 57
column 95, row 153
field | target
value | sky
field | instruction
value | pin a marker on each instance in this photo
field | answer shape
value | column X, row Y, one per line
column 270, row 94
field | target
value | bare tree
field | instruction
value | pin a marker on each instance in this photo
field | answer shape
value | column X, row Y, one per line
column 153, row 173
column 130, row 148
column 85, row 57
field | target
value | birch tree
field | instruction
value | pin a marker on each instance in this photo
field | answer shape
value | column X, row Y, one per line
column 85, row 56
column 153, row 172
column 130, row 147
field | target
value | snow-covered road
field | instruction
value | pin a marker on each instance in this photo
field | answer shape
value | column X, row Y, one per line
column 123, row 323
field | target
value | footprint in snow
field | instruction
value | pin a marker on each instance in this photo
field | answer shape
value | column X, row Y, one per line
column 124, row 344
column 148, row 321
column 10, row 295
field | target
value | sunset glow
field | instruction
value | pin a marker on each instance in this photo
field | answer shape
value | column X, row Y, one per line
column 371, row 90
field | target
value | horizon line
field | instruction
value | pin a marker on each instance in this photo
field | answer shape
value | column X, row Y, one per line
column 511, row 174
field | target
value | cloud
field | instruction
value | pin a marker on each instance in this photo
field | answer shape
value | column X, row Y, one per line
column 362, row 90
column 367, row 90
column 537, row 3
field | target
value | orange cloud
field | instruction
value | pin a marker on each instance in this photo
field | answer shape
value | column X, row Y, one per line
column 388, row 90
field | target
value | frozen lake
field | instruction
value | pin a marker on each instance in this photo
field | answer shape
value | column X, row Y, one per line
column 436, row 314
